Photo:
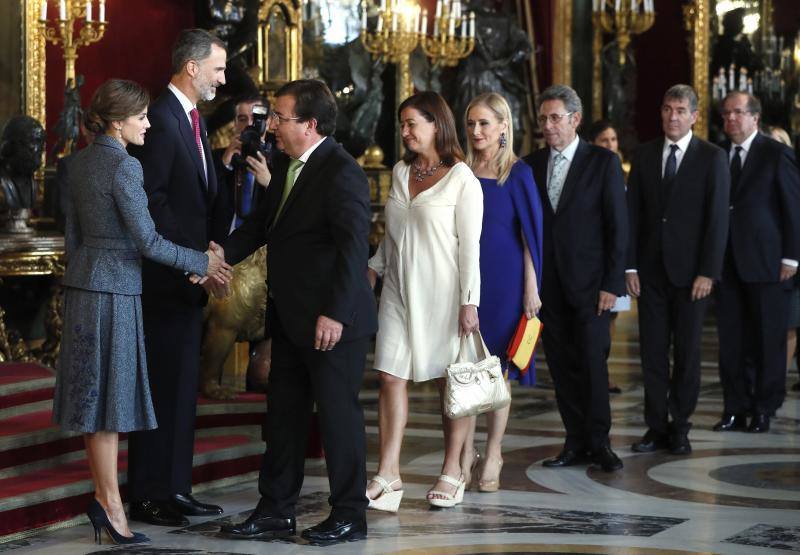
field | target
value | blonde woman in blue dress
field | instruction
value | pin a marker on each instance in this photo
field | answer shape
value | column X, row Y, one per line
column 511, row 258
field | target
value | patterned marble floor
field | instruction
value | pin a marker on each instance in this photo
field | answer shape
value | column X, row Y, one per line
column 736, row 494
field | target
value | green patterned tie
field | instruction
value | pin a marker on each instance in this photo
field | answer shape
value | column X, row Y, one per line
column 294, row 167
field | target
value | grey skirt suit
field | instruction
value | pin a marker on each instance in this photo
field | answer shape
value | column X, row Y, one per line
column 101, row 381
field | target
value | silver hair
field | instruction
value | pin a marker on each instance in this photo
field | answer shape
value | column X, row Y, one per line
column 567, row 95
column 682, row 92
column 193, row 44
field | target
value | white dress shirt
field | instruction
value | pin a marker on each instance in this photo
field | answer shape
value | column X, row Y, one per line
column 187, row 106
column 745, row 148
column 568, row 153
column 305, row 156
column 683, row 144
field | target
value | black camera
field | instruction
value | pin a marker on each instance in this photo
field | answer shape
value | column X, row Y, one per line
column 251, row 138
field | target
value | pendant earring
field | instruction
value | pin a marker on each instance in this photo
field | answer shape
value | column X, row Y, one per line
column 503, row 140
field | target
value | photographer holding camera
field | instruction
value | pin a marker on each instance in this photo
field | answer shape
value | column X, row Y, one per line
column 245, row 161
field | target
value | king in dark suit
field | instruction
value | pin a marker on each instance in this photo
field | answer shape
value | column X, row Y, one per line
column 182, row 198
column 585, row 236
column 760, row 260
column 321, row 312
column 678, row 205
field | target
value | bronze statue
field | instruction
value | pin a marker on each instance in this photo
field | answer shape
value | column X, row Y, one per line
column 495, row 66
column 68, row 125
column 21, row 147
column 367, row 77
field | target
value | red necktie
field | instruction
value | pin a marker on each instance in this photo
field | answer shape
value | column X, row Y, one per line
column 196, row 127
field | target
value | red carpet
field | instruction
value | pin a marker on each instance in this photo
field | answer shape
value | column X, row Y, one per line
column 44, row 476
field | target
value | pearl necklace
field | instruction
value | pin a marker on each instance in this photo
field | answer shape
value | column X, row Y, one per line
column 421, row 173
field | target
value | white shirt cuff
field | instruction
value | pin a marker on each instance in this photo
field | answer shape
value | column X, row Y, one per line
column 789, row 262
column 631, row 271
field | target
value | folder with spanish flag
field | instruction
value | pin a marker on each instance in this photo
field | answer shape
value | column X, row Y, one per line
column 520, row 349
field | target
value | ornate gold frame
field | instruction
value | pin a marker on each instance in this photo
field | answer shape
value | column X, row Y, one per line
column 291, row 10
column 696, row 19
column 33, row 62
column 597, row 67
column 562, row 43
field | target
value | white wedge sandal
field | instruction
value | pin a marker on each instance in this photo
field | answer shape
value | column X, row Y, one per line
column 448, row 500
column 389, row 499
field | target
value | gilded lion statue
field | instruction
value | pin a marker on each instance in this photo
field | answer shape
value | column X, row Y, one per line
column 238, row 317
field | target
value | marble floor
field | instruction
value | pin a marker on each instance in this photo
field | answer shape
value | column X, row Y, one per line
column 736, row 494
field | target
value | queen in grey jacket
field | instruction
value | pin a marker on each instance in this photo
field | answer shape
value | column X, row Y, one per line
column 102, row 382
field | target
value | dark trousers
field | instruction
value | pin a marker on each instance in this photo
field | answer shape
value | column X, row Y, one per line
column 160, row 460
column 752, row 320
column 669, row 318
column 300, row 377
column 576, row 342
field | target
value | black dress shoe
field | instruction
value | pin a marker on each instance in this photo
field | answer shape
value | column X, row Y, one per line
column 606, row 459
column 759, row 424
column 334, row 530
column 567, row 457
column 160, row 513
column 185, row 504
column 679, row 444
column 259, row 526
column 650, row 442
column 731, row 423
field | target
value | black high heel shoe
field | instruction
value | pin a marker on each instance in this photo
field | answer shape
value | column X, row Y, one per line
column 97, row 514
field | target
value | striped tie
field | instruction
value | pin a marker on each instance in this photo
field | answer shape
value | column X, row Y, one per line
column 196, row 128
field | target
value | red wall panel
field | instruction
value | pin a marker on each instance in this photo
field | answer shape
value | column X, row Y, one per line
column 662, row 60
column 136, row 45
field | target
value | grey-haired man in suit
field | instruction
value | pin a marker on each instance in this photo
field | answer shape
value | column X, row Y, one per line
column 181, row 188
column 678, row 203
column 585, row 235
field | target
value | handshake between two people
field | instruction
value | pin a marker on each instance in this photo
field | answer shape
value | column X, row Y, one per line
column 217, row 281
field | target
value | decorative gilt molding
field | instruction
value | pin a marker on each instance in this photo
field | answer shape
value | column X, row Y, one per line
column 34, row 61
column 562, row 43
column 40, row 264
column 597, row 67
column 696, row 19
column 291, row 13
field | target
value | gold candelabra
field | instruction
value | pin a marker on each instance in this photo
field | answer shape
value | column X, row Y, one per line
column 63, row 32
column 444, row 46
column 394, row 38
column 624, row 18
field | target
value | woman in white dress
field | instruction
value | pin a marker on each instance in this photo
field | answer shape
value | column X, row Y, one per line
column 429, row 263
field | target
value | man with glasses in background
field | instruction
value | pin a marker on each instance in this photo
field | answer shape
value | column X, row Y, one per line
column 585, row 237
column 760, row 261
column 678, row 210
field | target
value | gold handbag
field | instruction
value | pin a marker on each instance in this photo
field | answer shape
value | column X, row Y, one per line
column 475, row 387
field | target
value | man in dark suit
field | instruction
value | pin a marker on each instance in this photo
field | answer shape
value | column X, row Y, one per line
column 321, row 312
column 760, row 262
column 249, row 176
column 181, row 188
column 678, row 205
column 585, row 236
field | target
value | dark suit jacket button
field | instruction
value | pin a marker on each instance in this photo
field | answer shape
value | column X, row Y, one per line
column 664, row 220
column 731, row 207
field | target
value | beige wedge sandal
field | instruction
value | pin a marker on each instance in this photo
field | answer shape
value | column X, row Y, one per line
column 448, row 499
column 388, row 499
